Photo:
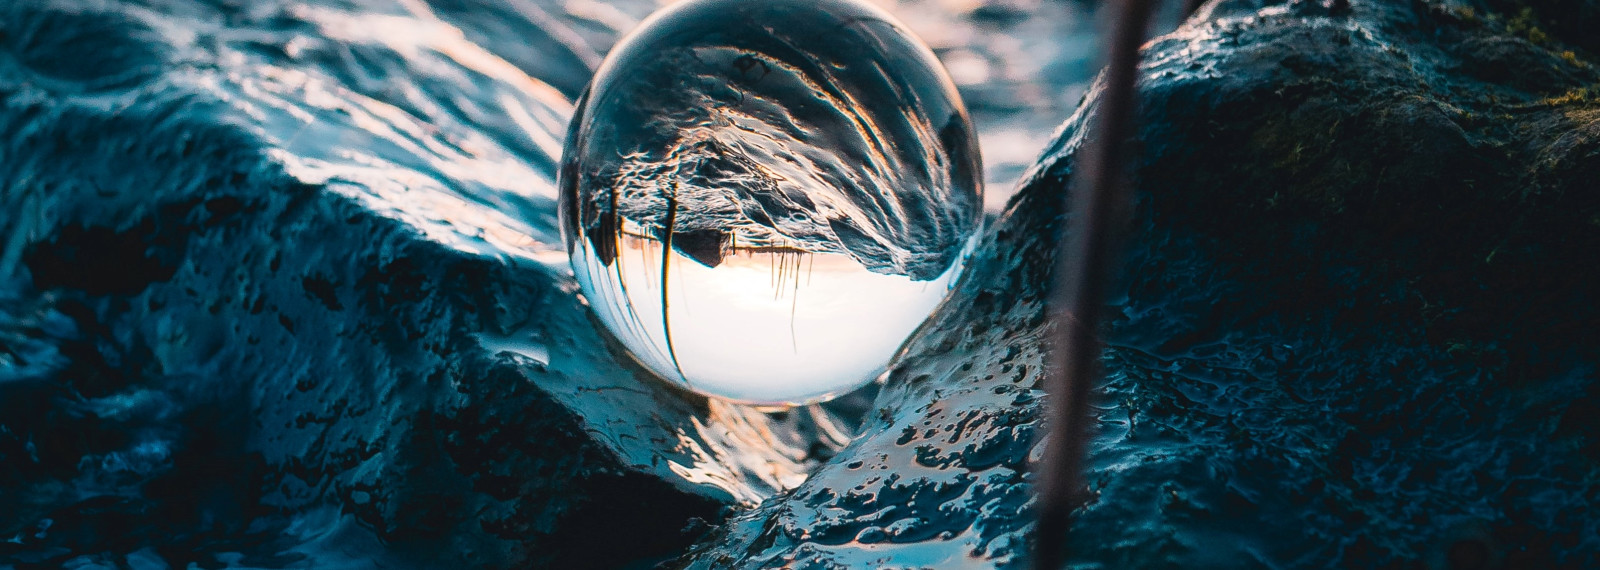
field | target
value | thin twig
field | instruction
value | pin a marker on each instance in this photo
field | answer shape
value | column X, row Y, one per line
column 1083, row 270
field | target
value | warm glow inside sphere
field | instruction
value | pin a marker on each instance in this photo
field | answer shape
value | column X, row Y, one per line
column 763, row 198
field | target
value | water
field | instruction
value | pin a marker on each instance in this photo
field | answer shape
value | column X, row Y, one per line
column 762, row 200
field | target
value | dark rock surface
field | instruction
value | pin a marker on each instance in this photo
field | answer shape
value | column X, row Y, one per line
column 280, row 286
column 277, row 289
column 1355, row 328
column 1552, row 22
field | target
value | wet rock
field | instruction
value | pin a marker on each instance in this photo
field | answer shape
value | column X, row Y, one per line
column 280, row 285
column 1551, row 21
column 1350, row 332
column 560, row 43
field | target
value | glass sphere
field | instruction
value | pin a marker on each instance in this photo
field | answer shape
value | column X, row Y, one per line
column 762, row 199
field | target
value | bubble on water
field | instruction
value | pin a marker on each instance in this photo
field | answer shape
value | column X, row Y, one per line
column 763, row 199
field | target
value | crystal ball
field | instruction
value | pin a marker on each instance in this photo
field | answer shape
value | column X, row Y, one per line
column 762, row 199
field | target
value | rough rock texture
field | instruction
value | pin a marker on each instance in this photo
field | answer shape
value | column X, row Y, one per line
column 1355, row 328
column 277, row 287
column 1541, row 21
column 280, row 285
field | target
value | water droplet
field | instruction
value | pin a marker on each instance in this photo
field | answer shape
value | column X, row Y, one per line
column 762, row 200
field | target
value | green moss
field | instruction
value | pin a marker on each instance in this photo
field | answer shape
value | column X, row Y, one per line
column 1526, row 26
column 1465, row 16
column 1579, row 96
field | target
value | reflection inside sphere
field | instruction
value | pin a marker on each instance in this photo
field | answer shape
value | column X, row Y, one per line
column 762, row 200
column 767, row 325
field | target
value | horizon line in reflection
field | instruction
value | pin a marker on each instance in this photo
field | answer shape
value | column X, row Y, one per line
column 729, row 324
